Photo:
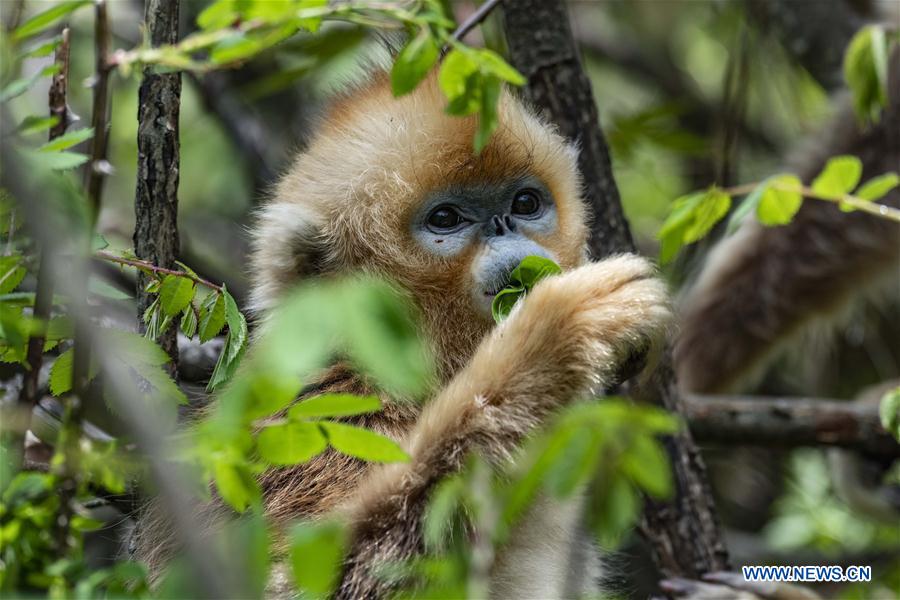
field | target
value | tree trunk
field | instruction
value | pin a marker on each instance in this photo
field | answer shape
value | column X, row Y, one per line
column 683, row 533
column 156, row 199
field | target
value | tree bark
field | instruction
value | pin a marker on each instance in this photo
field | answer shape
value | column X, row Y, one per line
column 156, row 200
column 789, row 423
column 684, row 532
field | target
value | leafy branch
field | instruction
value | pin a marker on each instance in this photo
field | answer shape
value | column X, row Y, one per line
column 775, row 201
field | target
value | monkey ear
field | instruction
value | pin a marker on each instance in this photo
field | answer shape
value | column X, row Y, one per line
column 288, row 244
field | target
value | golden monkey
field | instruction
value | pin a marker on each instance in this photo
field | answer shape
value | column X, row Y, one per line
column 391, row 186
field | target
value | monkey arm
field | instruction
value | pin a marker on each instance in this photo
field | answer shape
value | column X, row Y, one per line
column 565, row 340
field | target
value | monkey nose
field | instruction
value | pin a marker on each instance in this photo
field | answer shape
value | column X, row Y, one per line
column 501, row 225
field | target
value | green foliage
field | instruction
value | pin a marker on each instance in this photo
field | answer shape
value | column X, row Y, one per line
column 865, row 69
column 524, row 277
column 45, row 19
column 362, row 443
column 414, row 62
column 175, row 294
column 317, row 550
column 889, row 411
column 775, row 201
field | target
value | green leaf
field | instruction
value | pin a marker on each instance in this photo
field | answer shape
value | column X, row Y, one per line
column 189, row 321
column 487, row 117
column 11, row 272
column 709, row 210
column 456, row 81
column 646, row 463
column 334, row 405
column 443, row 505
column 493, row 63
column 45, row 19
column 889, row 411
column 62, row 161
column 235, row 344
column 102, row 288
column 61, row 373
column 212, row 316
column 414, row 62
column 34, row 124
column 175, row 294
column 522, row 279
column 133, row 349
column 862, row 76
column 746, row 208
column 218, row 15
column 616, row 507
column 878, row 187
column 236, row 485
column 67, row 140
column 362, row 443
column 840, row 175
column 780, row 200
column 317, row 552
column 290, row 443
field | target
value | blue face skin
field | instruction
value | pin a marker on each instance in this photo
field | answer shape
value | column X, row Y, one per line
column 500, row 219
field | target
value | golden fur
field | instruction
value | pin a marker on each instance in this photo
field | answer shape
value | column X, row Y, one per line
column 345, row 205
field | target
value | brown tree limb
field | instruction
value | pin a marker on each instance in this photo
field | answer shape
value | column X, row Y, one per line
column 475, row 19
column 788, row 422
column 683, row 533
column 97, row 167
column 156, row 198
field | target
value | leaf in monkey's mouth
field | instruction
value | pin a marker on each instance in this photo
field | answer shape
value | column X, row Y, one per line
column 524, row 277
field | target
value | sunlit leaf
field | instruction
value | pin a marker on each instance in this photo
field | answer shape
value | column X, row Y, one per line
column 889, row 412
column 236, row 485
column 334, row 405
column 175, row 294
column 780, row 200
column 45, row 19
column 362, row 443
column 839, row 176
column 414, row 62
column 290, row 443
column 878, row 187
column 67, row 140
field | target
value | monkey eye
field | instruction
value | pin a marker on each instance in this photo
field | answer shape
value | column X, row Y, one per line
column 444, row 218
column 526, row 202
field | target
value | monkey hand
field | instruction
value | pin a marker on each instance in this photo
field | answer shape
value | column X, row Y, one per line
column 571, row 334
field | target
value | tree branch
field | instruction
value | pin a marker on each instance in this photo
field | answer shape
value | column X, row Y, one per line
column 788, row 422
column 156, row 198
column 475, row 19
column 684, row 533
column 97, row 168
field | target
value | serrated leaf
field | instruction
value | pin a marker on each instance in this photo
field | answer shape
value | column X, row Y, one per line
column 839, row 176
column 414, row 62
column 362, row 443
column 889, row 412
column 878, row 187
column 780, row 200
column 11, row 272
column 334, row 405
column 290, row 443
column 34, row 124
column 709, row 210
column 189, row 322
column 61, row 373
column 67, row 140
column 45, row 19
column 212, row 316
column 235, row 343
column 175, row 294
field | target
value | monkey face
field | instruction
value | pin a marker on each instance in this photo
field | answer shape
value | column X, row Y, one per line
column 497, row 224
column 392, row 186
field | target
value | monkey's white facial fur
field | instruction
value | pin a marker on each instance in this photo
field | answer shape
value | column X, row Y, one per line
column 500, row 222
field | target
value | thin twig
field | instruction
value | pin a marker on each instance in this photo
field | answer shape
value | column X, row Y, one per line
column 43, row 297
column 475, row 19
column 873, row 208
column 144, row 265
column 96, row 169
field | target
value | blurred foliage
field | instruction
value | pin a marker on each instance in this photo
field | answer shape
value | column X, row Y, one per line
column 280, row 60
